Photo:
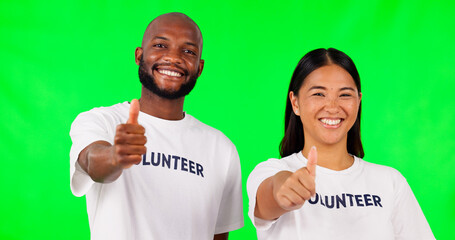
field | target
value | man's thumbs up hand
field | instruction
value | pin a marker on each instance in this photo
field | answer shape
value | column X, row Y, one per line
column 129, row 141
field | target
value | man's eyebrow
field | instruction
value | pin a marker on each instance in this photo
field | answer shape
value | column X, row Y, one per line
column 191, row 44
column 167, row 39
column 159, row 37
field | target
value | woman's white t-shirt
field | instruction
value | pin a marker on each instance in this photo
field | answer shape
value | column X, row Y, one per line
column 365, row 201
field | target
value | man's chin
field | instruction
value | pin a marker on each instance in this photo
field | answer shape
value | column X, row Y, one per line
column 148, row 82
column 169, row 93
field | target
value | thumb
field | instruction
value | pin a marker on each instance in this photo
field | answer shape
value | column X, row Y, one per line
column 134, row 112
column 312, row 161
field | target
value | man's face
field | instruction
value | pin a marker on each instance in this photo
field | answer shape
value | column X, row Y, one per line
column 170, row 57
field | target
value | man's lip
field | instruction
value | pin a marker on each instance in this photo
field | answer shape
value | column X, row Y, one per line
column 169, row 73
column 169, row 68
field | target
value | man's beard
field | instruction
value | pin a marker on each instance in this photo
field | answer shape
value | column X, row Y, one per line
column 148, row 81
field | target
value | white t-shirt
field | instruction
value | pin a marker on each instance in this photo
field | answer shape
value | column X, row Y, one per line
column 365, row 201
column 188, row 185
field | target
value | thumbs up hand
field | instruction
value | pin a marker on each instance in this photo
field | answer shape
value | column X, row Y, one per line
column 129, row 141
column 291, row 190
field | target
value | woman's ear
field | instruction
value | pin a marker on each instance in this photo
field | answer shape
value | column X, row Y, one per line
column 295, row 103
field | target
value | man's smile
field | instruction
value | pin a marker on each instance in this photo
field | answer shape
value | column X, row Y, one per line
column 169, row 71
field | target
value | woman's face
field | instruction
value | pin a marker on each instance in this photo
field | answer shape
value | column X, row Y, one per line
column 327, row 104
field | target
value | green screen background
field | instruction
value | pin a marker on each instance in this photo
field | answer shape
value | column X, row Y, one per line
column 60, row 58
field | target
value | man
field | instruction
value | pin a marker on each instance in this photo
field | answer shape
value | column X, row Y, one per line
column 148, row 169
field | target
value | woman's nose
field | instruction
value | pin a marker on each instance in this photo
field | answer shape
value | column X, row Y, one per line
column 332, row 105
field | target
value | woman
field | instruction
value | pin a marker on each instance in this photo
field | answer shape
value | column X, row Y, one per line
column 321, row 188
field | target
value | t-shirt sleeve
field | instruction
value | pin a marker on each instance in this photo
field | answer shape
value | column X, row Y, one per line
column 230, row 214
column 87, row 128
column 407, row 217
column 260, row 173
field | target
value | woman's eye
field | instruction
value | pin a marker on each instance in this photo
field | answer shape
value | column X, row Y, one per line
column 345, row 95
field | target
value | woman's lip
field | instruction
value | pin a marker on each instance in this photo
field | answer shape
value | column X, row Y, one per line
column 331, row 122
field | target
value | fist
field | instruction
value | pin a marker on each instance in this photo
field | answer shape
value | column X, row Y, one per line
column 291, row 190
column 129, row 141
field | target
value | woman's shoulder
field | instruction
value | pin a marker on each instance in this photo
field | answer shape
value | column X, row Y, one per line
column 288, row 163
column 380, row 170
column 269, row 168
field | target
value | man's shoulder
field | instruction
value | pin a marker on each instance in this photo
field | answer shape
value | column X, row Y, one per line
column 207, row 130
column 119, row 107
column 116, row 109
column 103, row 115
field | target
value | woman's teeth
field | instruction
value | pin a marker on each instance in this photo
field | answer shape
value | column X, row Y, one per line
column 330, row 121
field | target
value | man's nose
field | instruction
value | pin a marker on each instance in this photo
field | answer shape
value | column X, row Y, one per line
column 173, row 56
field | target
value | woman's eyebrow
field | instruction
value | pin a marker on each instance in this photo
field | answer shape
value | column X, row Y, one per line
column 317, row 87
column 347, row 88
column 324, row 88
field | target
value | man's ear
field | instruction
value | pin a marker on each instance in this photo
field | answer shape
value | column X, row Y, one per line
column 138, row 55
column 294, row 103
column 201, row 67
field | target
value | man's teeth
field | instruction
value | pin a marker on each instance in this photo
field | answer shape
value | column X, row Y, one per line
column 170, row 73
column 330, row 121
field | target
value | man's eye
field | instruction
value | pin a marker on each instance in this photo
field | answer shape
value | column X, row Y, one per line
column 189, row 51
column 318, row 94
column 345, row 95
column 158, row 45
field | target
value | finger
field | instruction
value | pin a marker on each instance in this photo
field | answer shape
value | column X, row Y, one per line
column 132, row 139
column 302, row 191
column 130, row 128
column 305, row 181
column 128, row 161
column 284, row 202
column 291, row 199
column 125, row 159
column 312, row 161
column 125, row 150
column 134, row 112
column 309, row 184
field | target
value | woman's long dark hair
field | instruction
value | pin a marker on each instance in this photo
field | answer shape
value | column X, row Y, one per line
column 294, row 139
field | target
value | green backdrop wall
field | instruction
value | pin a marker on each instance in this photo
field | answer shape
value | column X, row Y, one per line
column 59, row 58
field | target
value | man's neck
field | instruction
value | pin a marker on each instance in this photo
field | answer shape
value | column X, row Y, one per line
column 169, row 109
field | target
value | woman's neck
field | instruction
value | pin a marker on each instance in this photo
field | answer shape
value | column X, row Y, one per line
column 334, row 156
